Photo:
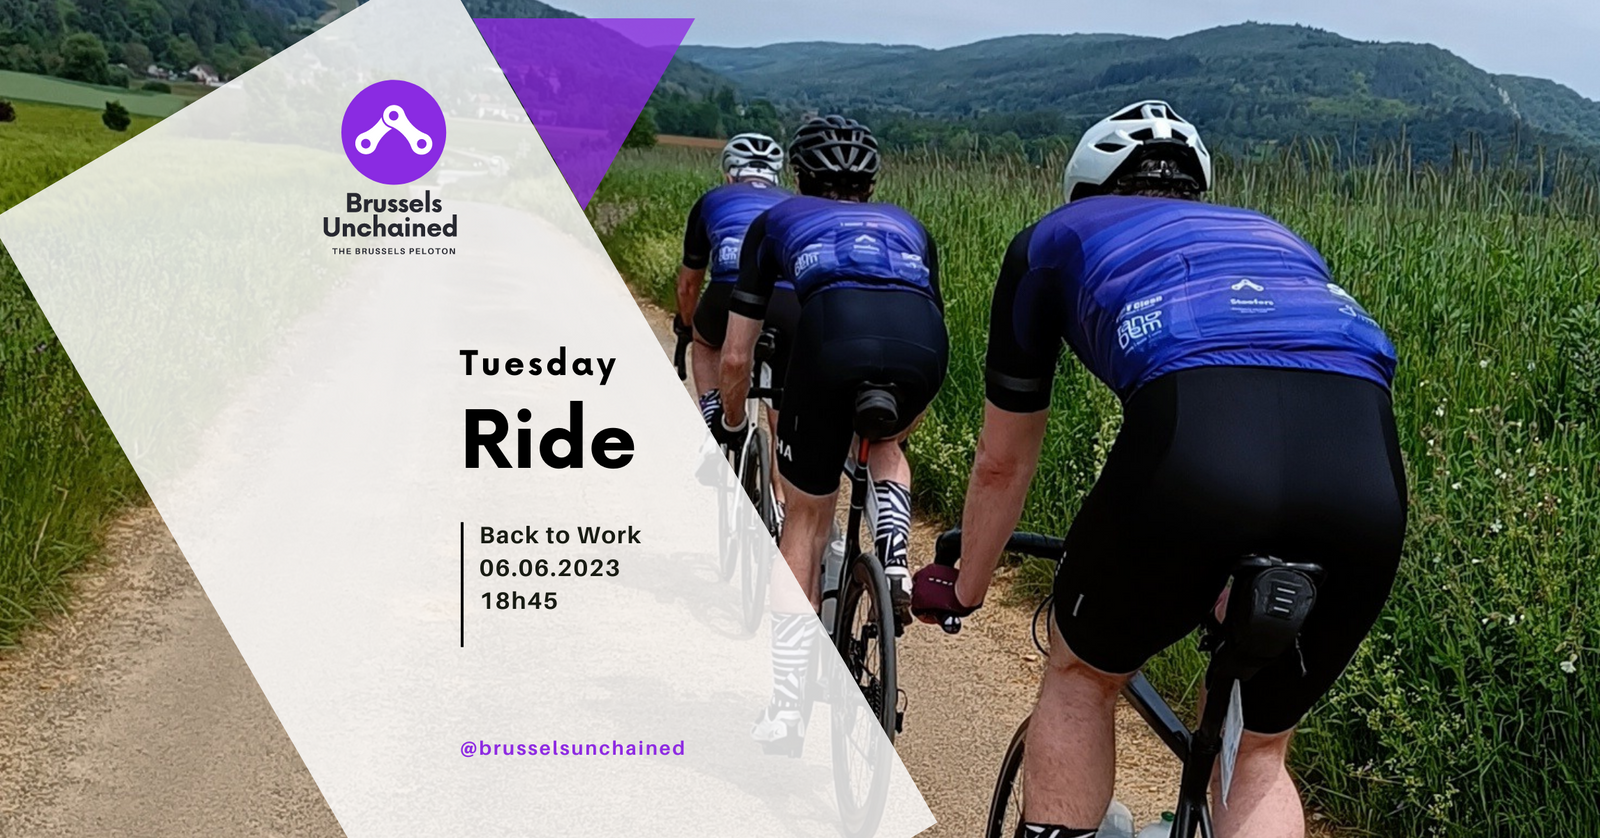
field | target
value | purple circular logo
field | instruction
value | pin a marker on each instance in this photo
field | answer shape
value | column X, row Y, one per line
column 393, row 132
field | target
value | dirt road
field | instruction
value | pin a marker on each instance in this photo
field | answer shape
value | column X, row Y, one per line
column 134, row 715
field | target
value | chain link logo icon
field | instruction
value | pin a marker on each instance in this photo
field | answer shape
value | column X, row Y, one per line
column 404, row 109
column 394, row 117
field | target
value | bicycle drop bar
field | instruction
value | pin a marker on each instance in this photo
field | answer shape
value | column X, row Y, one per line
column 948, row 547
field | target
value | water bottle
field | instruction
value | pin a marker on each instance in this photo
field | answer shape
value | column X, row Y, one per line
column 832, row 563
column 1159, row 829
column 1118, row 822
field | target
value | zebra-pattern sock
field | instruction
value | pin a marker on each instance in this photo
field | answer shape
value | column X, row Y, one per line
column 891, row 521
column 1044, row 830
column 710, row 404
column 792, row 638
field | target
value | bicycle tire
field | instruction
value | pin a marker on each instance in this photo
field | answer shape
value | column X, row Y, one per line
column 1005, row 804
column 870, row 640
column 729, row 519
column 757, row 566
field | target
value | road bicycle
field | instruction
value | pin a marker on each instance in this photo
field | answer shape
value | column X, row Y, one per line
column 864, row 632
column 1268, row 602
column 741, row 525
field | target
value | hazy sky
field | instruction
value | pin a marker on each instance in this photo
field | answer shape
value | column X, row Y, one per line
column 1554, row 39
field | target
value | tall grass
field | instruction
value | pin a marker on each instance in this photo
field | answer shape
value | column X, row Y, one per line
column 62, row 473
column 1474, row 707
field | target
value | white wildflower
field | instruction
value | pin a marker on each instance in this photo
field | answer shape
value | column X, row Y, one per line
column 1568, row 666
column 1456, row 485
column 1484, row 364
column 1496, row 527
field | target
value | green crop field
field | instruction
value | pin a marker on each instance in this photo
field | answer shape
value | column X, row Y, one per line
column 1474, row 707
column 62, row 473
column 50, row 90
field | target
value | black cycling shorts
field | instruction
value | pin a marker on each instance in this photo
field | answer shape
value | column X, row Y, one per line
column 1216, row 463
column 783, row 316
column 848, row 337
column 711, row 314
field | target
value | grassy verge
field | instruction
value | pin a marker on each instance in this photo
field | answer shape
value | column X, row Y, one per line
column 1474, row 707
column 62, row 474
column 50, row 90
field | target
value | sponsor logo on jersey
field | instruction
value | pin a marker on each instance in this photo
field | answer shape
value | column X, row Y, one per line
column 1357, row 313
column 1245, row 283
column 1336, row 291
column 1137, row 328
column 1141, row 305
column 807, row 259
column 728, row 251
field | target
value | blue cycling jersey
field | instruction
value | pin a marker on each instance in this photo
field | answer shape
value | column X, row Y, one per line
column 1141, row 287
column 818, row 244
column 718, row 222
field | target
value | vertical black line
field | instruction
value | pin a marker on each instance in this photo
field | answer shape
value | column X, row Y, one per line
column 463, row 584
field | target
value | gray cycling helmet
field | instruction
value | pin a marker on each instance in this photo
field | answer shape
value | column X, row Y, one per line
column 835, row 151
column 752, row 155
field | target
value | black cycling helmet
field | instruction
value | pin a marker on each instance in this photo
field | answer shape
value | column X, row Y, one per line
column 835, row 151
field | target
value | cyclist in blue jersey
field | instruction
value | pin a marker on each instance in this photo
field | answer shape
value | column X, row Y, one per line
column 1256, row 420
column 712, row 240
column 867, row 278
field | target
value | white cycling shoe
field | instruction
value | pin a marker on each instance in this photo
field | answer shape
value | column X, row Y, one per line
column 779, row 731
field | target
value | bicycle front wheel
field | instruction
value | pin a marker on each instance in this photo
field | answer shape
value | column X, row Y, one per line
column 863, row 731
column 730, row 519
column 1005, row 806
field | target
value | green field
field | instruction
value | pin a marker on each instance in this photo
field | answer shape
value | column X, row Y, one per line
column 28, row 87
column 62, row 474
column 1474, row 708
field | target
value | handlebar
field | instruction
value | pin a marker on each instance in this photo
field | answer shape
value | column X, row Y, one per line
column 685, row 337
column 948, row 547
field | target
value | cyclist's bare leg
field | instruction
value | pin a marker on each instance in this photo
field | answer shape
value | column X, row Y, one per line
column 707, row 364
column 805, row 533
column 772, row 451
column 1069, row 765
column 1263, row 801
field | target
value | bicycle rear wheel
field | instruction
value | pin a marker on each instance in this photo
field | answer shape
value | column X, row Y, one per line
column 730, row 519
column 757, row 567
column 862, row 736
column 1005, row 805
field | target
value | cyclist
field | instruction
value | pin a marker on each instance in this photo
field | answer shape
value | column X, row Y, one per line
column 751, row 164
column 867, row 277
column 1256, row 419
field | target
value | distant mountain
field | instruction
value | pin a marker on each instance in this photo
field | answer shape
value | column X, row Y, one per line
column 682, row 75
column 1246, row 84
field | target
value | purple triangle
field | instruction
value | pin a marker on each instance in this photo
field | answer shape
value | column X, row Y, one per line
column 583, row 82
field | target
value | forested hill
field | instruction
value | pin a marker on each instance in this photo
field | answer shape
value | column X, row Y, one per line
column 79, row 38
column 1248, row 84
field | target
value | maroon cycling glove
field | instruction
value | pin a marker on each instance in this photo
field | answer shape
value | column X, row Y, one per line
column 933, row 596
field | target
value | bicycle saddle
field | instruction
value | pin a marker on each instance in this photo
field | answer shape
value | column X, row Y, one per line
column 877, row 412
column 1268, row 606
column 766, row 344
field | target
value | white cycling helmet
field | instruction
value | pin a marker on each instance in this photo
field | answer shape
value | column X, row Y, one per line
column 752, row 155
column 1116, row 145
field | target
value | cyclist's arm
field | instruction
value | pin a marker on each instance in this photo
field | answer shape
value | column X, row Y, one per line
column 747, row 309
column 1024, row 342
column 696, row 256
column 1008, row 453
